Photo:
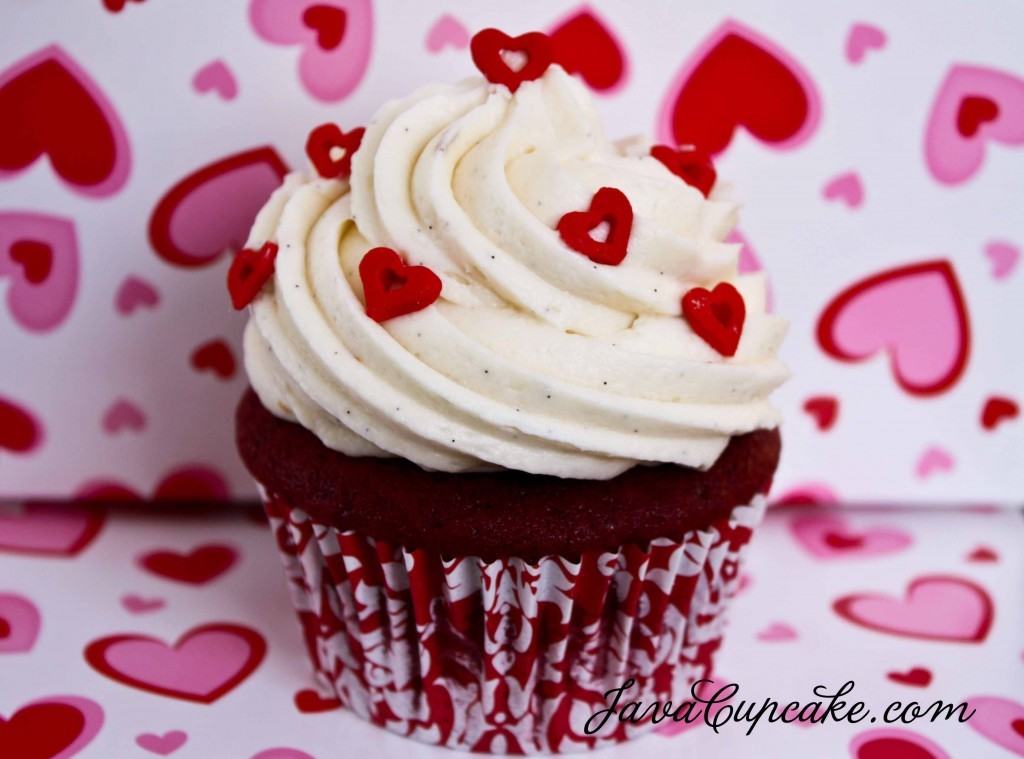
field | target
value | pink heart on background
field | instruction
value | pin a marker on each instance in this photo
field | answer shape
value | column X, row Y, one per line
column 123, row 415
column 915, row 313
column 845, row 187
column 206, row 662
column 282, row 753
column 860, row 39
column 19, row 624
column 327, row 74
column 1000, row 720
column 48, row 528
column 935, row 607
column 807, row 494
column 777, row 632
column 953, row 156
column 139, row 605
column 41, row 292
column 934, row 459
column 706, row 691
column 164, row 744
column 54, row 727
column 890, row 743
column 447, row 31
column 1004, row 257
column 829, row 536
column 209, row 211
column 134, row 293
column 216, row 76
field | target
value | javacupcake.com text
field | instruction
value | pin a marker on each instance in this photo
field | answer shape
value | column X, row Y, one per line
column 715, row 706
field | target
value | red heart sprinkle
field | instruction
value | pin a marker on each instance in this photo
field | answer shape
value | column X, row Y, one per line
column 608, row 206
column 197, row 567
column 327, row 138
column 997, row 409
column 688, row 163
column 35, row 257
column 973, row 112
column 392, row 288
column 824, row 409
column 328, row 21
column 1018, row 726
column 489, row 46
column 918, row 676
column 249, row 272
column 716, row 316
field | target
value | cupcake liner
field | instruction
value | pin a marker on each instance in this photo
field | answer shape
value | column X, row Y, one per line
column 508, row 656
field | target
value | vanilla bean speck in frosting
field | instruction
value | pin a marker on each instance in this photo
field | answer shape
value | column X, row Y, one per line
column 534, row 357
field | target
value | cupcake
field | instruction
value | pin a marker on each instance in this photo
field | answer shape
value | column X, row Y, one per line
column 508, row 409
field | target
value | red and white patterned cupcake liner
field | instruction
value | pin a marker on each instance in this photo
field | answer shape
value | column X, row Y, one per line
column 508, row 656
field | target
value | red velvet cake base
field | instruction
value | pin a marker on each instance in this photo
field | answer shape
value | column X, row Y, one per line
column 497, row 514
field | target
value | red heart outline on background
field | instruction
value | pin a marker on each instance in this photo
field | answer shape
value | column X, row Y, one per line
column 847, row 607
column 98, row 652
column 308, row 701
column 82, row 720
column 214, row 356
column 887, row 743
column 93, row 118
column 190, row 225
column 201, row 565
column 916, row 677
column 823, row 409
column 48, row 529
column 997, row 409
column 185, row 483
column 827, row 325
column 585, row 44
column 806, row 105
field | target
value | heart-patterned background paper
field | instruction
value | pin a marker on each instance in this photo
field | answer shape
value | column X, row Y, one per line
column 878, row 149
column 138, row 634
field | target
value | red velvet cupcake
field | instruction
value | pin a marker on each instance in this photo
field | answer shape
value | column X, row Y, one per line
column 510, row 411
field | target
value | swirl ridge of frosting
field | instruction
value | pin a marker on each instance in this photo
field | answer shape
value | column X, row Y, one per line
column 534, row 358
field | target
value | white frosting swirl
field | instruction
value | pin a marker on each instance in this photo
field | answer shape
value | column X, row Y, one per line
column 534, row 358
